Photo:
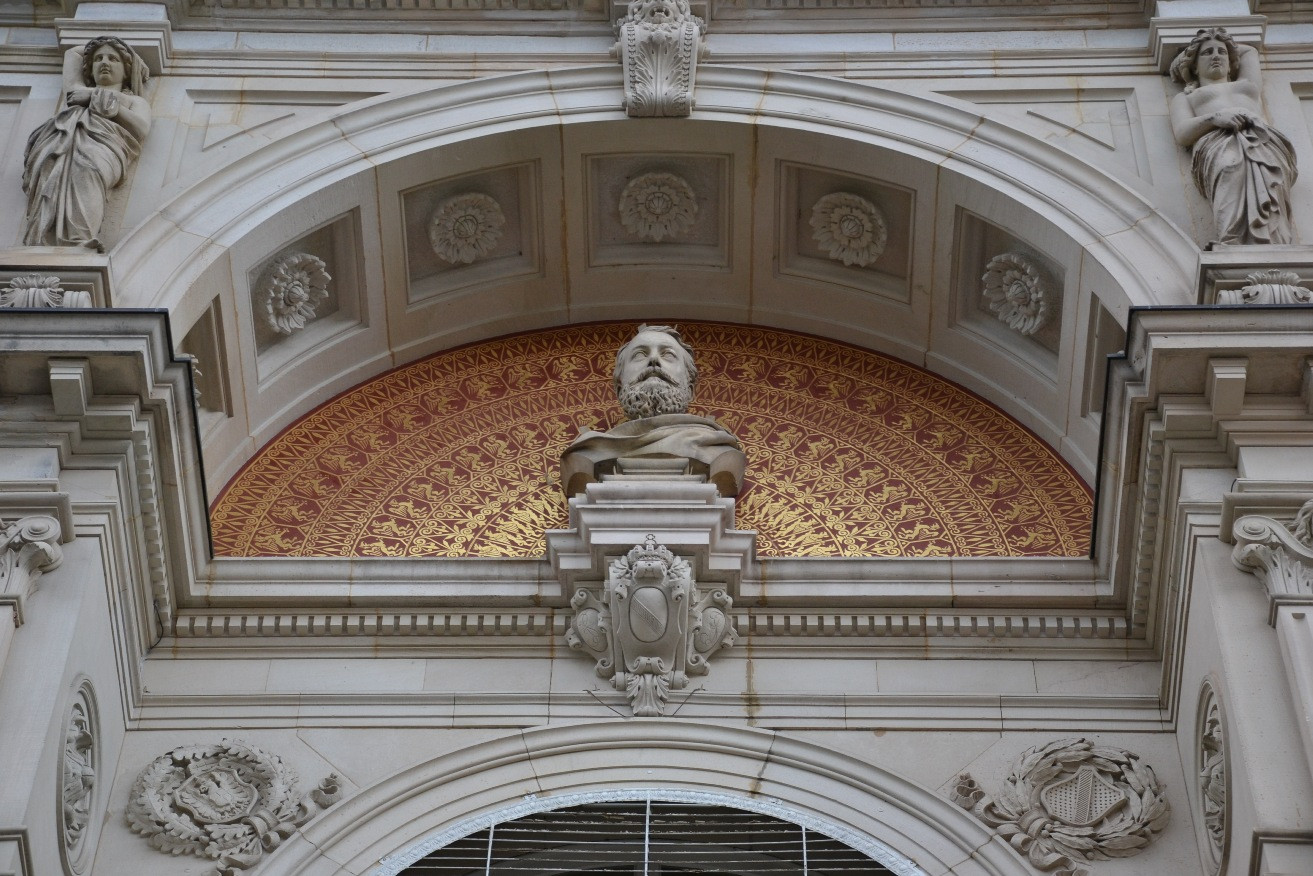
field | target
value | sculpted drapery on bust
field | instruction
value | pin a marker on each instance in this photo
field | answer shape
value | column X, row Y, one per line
column 75, row 158
column 1244, row 167
column 654, row 379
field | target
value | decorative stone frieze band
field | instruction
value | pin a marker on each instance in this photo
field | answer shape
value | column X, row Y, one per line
column 1072, row 800
column 660, row 43
column 230, row 803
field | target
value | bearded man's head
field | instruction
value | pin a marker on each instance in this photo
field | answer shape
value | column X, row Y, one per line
column 655, row 373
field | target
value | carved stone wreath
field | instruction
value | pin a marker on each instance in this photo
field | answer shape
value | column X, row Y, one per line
column 38, row 290
column 466, row 228
column 654, row 206
column 292, row 291
column 1015, row 290
column 77, row 778
column 1072, row 800
column 230, row 803
column 1268, row 287
column 849, row 228
column 1213, row 782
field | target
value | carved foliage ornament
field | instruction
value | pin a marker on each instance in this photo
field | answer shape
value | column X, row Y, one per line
column 292, row 291
column 466, row 228
column 651, row 628
column 850, row 228
column 77, row 777
column 230, row 803
column 654, row 206
column 38, row 290
column 1015, row 290
column 1213, row 782
column 1268, row 287
column 660, row 44
column 1072, row 800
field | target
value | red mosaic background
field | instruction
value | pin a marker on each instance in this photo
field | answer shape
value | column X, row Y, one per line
column 850, row 453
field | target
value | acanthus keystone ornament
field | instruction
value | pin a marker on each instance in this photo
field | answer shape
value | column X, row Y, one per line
column 652, row 628
column 849, row 228
column 292, row 291
column 1015, row 291
column 230, row 803
column 654, row 206
column 466, row 228
column 660, row 43
column 1072, row 800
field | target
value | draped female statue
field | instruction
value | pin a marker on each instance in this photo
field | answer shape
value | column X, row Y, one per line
column 1244, row 167
column 75, row 158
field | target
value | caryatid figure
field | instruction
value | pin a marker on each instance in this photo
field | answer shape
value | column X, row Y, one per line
column 1244, row 167
column 654, row 379
column 75, row 158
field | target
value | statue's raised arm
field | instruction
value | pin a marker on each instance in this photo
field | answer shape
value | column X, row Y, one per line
column 1244, row 167
column 75, row 158
column 654, row 378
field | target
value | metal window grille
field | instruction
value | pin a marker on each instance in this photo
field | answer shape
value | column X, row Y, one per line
column 646, row 838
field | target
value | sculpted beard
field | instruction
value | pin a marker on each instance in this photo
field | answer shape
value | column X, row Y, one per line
column 650, row 396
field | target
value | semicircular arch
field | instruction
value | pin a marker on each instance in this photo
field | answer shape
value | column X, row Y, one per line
column 402, row 817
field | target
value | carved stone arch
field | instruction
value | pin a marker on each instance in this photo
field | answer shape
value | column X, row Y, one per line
column 915, row 825
column 1142, row 251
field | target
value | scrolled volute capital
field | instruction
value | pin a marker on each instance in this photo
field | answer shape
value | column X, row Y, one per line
column 28, row 547
column 1280, row 556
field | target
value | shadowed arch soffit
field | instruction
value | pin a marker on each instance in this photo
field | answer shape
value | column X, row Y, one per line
column 850, row 453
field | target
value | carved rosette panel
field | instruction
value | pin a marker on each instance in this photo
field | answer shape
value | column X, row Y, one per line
column 39, row 290
column 1213, row 777
column 660, row 43
column 77, row 778
column 651, row 628
column 1015, row 291
column 1072, row 800
column 465, row 228
column 1268, row 287
column 292, row 291
column 230, row 803
column 654, row 206
column 849, row 228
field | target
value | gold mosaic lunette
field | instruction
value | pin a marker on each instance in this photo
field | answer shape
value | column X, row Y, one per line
column 850, row 453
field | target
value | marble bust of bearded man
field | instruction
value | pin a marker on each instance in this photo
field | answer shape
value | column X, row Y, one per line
column 654, row 379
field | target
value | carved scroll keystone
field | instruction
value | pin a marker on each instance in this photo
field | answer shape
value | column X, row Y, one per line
column 650, row 628
column 660, row 43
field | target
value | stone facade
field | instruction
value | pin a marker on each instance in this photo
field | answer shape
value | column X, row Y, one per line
column 467, row 171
